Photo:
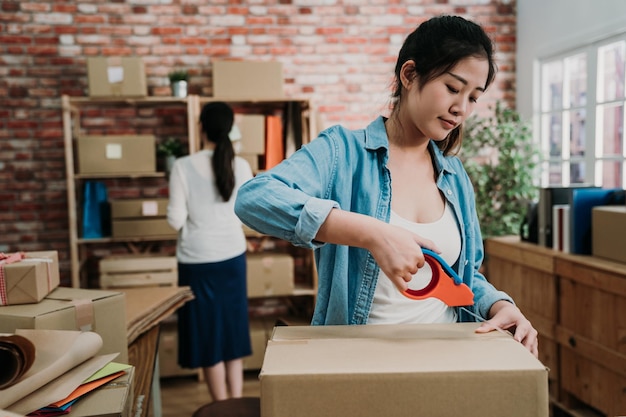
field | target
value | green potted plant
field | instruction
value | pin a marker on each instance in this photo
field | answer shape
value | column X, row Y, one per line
column 178, row 82
column 500, row 157
column 170, row 149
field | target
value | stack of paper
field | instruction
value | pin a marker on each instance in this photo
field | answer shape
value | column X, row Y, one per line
column 65, row 367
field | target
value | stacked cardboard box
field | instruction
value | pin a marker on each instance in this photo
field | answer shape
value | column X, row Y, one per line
column 140, row 218
column 116, row 154
column 74, row 309
column 138, row 271
column 28, row 277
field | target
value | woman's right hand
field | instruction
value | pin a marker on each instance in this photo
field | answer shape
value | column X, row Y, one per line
column 398, row 252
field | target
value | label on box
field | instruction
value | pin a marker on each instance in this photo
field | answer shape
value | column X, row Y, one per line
column 113, row 151
column 149, row 208
column 115, row 74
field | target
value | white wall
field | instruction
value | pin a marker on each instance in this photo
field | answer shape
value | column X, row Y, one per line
column 546, row 27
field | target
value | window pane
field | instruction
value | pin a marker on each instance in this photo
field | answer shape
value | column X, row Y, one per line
column 611, row 174
column 577, row 133
column 612, row 119
column 611, row 71
column 576, row 67
column 555, row 134
column 556, row 173
column 577, row 173
column 552, row 91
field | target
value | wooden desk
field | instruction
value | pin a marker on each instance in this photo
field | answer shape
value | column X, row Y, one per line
column 145, row 309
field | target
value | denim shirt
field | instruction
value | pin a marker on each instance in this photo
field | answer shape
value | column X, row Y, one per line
column 347, row 169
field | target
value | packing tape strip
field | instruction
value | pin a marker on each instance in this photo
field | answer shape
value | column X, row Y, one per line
column 83, row 310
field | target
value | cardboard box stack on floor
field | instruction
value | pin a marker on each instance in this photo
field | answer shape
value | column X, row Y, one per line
column 399, row 370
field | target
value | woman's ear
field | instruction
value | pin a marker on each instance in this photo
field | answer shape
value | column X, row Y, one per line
column 407, row 74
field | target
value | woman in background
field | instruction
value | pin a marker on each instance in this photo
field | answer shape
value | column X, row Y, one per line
column 213, row 332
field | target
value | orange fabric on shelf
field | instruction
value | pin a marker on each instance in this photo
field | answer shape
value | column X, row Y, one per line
column 274, row 145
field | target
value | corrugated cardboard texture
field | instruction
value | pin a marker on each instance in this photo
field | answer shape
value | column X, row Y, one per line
column 247, row 79
column 270, row 275
column 609, row 232
column 399, row 370
column 116, row 154
column 116, row 77
column 70, row 309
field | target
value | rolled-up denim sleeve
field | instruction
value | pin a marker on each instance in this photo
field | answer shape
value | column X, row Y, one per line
column 288, row 201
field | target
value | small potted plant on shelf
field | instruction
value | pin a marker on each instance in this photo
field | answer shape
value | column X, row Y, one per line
column 178, row 82
column 170, row 149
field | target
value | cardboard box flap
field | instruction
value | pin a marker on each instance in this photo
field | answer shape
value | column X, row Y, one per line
column 351, row 349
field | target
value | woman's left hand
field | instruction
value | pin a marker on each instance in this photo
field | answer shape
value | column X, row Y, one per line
column 507, row 316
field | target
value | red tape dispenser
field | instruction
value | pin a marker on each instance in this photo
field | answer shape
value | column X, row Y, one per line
column 445, row 284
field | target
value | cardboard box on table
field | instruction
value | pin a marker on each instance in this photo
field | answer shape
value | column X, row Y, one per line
column 103, row 312
column 140, row 218
column 116, row 77
column 608, row 231
column 398, row 370
column 31, row 279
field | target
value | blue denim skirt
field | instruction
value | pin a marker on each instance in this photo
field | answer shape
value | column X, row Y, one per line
column 213, row 327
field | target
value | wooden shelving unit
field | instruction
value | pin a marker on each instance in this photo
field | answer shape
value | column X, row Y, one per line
column 77, row 112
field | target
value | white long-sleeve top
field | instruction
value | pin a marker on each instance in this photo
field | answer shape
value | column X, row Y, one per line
column 208, row 229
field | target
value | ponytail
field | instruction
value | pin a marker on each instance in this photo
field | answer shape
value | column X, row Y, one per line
column 217, row 120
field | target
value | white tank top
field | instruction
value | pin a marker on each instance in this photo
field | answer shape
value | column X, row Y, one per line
column 390, row 306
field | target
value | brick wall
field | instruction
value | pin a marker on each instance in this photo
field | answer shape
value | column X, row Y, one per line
column 339, row 54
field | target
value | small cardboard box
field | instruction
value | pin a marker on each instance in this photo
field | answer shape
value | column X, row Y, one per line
column 400, row 370
column 30, row 279
column 103, row 312
column 116, row 154
column 252, row 127
column 140, row 218
column 114, row 399
column 138, row 271
column 270, row 275
column 247, row 79
column 608, row 230
column 116, row 77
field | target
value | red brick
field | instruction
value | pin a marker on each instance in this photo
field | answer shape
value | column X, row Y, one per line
column 30, row 115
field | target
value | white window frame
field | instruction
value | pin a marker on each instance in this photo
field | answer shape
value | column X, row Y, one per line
column 593, row 130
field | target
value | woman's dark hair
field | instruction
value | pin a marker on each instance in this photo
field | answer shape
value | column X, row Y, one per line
column 436, row 46
column 217, row 120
